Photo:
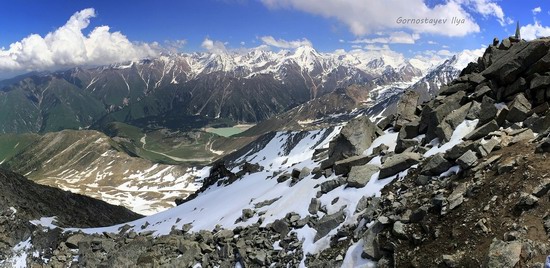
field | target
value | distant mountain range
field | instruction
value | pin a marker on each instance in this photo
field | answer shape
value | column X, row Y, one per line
column 192, row 89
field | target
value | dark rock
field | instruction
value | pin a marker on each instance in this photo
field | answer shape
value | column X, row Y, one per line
column 506, row 68
column 371, row 246
column 541, row 124
column 487, row 147
column 283, row 177
column 519, row 109
column 386, row 122
column 541, row 189
column 457, row 116
column 488, row 111
column 397, row 163
column 520, row 85
column 480, row 92
column 526, row 201
column 247, row 214
column 380, row 149
column 359, row 176
column 540, row 82
column 435, row 165
column 448, row 90
column 409, row 130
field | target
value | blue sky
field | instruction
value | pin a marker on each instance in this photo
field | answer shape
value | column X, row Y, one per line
column 146, row 27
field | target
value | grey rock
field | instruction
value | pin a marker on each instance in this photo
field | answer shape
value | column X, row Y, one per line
column 457, row 116
column 404, row 144
column 435, row 165
column 354, row 139
column 359, row 176
column 406, row 108
column 399, row 162
column 73, row 240
column 474, row 111
column 328, row 223
column 371, row 246
column 398, row 230
column 487, row 147
column 482, row 131
column 518, row 86
column 543, row 146
column 467, row 160
column 505, row 166
column 459, row 149
column 524, row 135
column 448, row 90
column 504, row 254
column 330, row 185
column 280, row 227
column 343, row 167
column 314, row 206
column 444, row 131
column 247, row 214
column 409, row 130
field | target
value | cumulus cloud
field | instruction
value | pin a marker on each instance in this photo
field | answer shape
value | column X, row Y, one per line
column 214, row 46
column 367, row 17
column 281, row 43
column 445, row 53
column 68, row 46
column 393, row 38
column 536, row 10
column 533, row 31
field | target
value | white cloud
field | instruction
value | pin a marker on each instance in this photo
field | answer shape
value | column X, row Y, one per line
column 214, row 46
column 536, row 10
column 392, row 38
column 487, row 8
column 445, row 53
column 533, row 31
column 68, row 46
column 281, row 43
column 367, row 17
column 430, row 42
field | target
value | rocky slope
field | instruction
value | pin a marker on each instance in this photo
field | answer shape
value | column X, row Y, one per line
column 456, row 182
column 90, row 163
column 25, row 204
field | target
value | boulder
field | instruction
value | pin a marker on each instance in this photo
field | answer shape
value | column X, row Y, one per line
column 487, row 147
column 451, row 89
column 328, row 223
column 330, row 185
column 409, row 130
column 371, row 246
column 404, row 144
column 444, row 132
column 507, row 67
column 435, row 165
column 488, row 110
column 343, row 167
column 280, row 227
column 406, row 108
column 480, row 91
column 314, row 206
column 467, row 160
column 354, row 139
column 519, row 109
column 399, row 231
column 540, row 82
column 459, row 149
column 399, row 162
column 503, row 254
column 457, row 116
column 359, row 176
column 483, row 130
column 474, row 111
column 520, row 85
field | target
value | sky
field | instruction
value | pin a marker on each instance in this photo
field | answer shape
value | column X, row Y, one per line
column 40, row 35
